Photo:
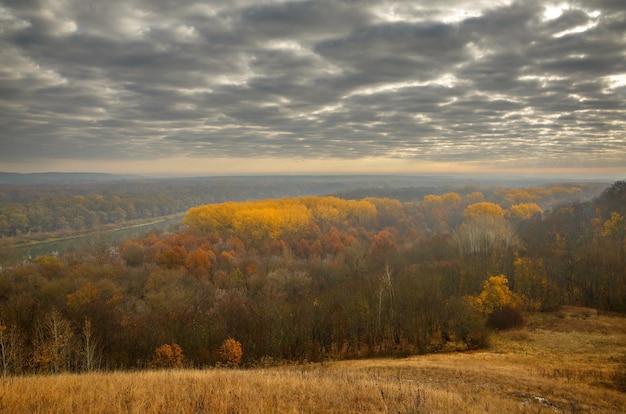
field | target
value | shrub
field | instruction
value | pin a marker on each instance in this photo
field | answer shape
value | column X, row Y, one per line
column 168, row 356
column 467, row 325
column 230, row 352
column 506, row 317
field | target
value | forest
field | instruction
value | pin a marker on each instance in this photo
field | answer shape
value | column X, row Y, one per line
column 313, row 278
column 38, row 206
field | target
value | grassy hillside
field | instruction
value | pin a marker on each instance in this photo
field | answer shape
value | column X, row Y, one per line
column 571, row 361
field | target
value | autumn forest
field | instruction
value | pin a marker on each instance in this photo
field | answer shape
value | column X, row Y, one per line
column 251, row 280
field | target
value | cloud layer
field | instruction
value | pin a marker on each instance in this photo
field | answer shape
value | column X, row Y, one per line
column 526, row 84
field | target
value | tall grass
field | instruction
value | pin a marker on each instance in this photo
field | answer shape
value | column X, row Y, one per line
column 545, row 368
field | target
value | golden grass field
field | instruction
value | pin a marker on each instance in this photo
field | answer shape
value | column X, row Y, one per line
column 564, row 363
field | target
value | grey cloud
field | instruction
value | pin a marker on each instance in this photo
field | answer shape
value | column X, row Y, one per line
column 569, row 20
column 304, row 19
column 91, row 79
column 414, row 49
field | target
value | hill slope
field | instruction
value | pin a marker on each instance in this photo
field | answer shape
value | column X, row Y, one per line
column 562, row 362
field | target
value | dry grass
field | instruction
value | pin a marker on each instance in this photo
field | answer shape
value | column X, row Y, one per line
column 559, row 363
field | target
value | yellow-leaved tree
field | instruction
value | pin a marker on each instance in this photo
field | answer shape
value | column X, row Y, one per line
column 524, row 211
column 615, row 227
column 495, row 295
column 484, row 209
column 498, row 303
column 532, row 284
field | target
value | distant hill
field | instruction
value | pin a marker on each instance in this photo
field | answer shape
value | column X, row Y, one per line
column 60, row 177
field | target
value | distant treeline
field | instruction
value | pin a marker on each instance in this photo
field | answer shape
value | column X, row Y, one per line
column 64, row 204
column 60, row 204
column 312, row 278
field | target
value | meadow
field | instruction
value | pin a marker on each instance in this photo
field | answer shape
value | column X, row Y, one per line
column 570, row 361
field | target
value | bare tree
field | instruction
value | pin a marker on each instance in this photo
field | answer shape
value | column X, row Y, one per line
column 386, row 289
column 89, row 353
column 11, row 349
column 53, row 343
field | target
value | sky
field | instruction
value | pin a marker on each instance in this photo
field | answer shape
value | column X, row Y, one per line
column 299, row 87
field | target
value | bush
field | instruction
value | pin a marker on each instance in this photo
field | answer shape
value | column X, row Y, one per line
column 467, row 325
column 230, row 352
column 506, row 317
column 168, row 356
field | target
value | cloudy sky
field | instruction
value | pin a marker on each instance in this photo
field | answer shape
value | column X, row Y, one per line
column 243, row 86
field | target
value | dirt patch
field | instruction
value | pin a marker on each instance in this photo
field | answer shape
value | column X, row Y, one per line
column 577, row 319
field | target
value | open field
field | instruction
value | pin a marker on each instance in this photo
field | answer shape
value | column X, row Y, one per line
column 565, row 362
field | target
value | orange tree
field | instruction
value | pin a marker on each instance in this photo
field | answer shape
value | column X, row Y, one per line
column 230, row 352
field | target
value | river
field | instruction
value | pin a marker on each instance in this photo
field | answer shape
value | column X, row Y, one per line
column 109, row 237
